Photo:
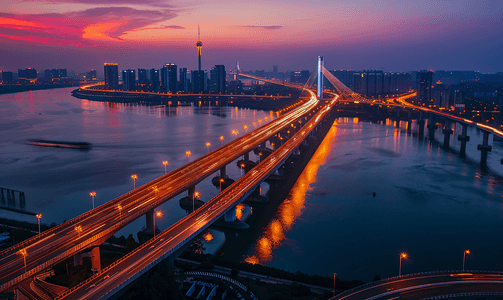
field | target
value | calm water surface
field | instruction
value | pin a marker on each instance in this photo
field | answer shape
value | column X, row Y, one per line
column 429, row 202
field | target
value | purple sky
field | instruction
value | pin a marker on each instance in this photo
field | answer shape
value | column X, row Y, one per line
column 395, row 35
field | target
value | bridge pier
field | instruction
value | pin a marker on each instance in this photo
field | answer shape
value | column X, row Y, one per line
column 77, row 259
column 246, row 156
column 398, row 113
column 397, row 123
column 95, row 259
column 191, row 191
column 447, row 133
column 420, row 123
column 463, row 138
column 149, row 218
column 2, row 196
column 223, row 173
column 484, row 148
column 431, row 127
column 230, row 216
column 409, row 126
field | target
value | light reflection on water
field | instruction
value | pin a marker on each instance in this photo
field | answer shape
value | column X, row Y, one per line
column 293, row 207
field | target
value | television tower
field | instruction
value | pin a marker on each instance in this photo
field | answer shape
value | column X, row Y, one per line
column 199, row 45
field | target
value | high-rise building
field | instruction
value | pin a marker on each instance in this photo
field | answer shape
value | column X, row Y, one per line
column 28, row 73
column 345, row 76
column 142, row 77
column 91, row 75
column 217, row 79
column 275, row 69
column 441, row 95
column 169, row 78
column 198, row 79
column 63, row 73
column 154, row 80
column 369, row 83
column 129, row 80
column 260, row 73
column 424, row 86
column 184, row 87
column 111, row 76
column 6, row 77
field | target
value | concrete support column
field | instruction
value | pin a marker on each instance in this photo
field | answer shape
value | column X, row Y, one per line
column 432, row 127
column 149, row 218
column 409, row 126
column 397, row 123
column 398, row 113
column 223, row 172
column 246, row 156
column 3, row 197
column 77, row 259
column 463, row 138
column 420, row 124
column 95, row 259
column 191, row 191
column 409, row 116
column 447, row 133
column 230, row 215
column 484, row 148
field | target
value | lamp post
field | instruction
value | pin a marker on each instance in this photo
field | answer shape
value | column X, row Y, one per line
column 157, row 215
column 188, row 153
column 333, row 293
column 259, row 156
column 242, row 167
column 165, row 163
column 134, row 176
column 464, row 256
column 196, row 194
column 92, row 194
column 246, row 128
column 221, row 180
column 24, row 254
column 222, row 139
column 39, row 216
column 208, row 144
column 404, row 256
column 119, row 207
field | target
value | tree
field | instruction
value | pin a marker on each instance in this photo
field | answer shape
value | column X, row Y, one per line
column 377, row 278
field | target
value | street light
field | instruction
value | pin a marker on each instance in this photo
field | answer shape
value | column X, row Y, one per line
column 92, row 194
column 404, row 256
column 222, row 139
column 221, row 180
column 134, row 176
column 208, row 144
column 259, row 156
column 464, row 255
column 242, row 167
column 246, row 128
column 157, row 215
column 188, row 153
column 165, row 163
column 119, row 207
column 39, row 216
column 196, row 194
column 333, row 294
column 24, row 254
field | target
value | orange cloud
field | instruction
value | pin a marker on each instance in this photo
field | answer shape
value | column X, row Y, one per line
column 101, row 31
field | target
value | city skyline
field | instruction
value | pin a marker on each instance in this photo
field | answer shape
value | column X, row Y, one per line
column 389, row 35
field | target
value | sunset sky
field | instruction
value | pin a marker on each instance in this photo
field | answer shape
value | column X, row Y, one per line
column 395, row 35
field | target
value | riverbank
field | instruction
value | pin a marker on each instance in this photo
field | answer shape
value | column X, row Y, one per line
column 16, row 88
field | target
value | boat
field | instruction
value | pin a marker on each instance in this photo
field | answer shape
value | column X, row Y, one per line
column 60, row 144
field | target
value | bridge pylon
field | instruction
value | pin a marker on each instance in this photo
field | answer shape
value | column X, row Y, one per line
column 321, row 66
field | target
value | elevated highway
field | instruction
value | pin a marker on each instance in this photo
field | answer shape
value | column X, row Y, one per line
column 110, row 280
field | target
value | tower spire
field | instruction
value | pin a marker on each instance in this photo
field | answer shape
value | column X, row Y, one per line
column 199, row 45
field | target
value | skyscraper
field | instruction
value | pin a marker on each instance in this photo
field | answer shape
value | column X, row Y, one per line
column 198, row 80
column 28, row 73
column 129, row 80
column 111, row 76
column 184, row 87
column 142, row 77
column 91, row 75
column 154, row 80
column 6, row 77
column 217, row 79
column 424, row 85
column 169, row 78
